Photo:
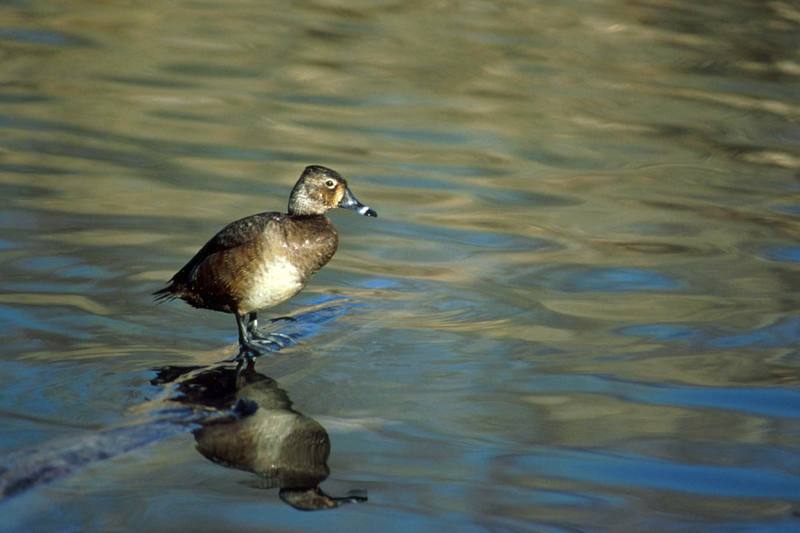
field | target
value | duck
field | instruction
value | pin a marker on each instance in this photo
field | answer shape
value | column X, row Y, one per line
column 262, row 260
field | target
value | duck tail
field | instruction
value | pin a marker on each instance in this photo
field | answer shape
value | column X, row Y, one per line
column 165, row 295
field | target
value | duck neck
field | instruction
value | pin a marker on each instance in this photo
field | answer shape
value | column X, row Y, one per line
column 300, row 214
column 302, row 207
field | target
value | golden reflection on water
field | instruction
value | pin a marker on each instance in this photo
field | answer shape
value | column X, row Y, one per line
column 77, row 301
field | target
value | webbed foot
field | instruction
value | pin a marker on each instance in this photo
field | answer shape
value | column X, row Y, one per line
column 275, row 341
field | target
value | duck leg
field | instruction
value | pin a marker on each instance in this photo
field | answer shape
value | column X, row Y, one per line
column 246, row 348
column 271, row 338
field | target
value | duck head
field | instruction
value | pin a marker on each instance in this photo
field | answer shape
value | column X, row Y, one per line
column 321, row 189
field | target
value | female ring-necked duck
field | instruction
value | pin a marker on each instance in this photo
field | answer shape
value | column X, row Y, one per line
column 262, row 260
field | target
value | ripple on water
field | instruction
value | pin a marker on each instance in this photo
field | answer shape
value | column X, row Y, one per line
column 784, row 254
column 661, row 332
column 474, row 238
column 212, row 70
column 450, row 247
column 630, row 470
column 778, row 402
column 42, row 37
column 24, row 168
column 22, row 98
column 792, row 209
column 64, row 267
column 584, row 278
column 784, row 332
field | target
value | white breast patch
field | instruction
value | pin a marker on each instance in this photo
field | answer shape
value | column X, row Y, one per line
column 273, row 283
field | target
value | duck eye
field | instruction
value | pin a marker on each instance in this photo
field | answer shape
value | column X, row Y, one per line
column 330, row 184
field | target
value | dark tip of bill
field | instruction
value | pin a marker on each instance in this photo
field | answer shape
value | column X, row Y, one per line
column 367, row 212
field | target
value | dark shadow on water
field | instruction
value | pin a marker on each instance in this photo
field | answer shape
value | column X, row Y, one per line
column 284, row 447
column 29, row 468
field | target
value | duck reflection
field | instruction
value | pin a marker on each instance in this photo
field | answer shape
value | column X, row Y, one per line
column 263, row 435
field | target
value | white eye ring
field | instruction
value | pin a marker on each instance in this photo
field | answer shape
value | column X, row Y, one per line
column 330, row 184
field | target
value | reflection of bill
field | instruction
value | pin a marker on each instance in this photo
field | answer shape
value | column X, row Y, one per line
column 285, row 448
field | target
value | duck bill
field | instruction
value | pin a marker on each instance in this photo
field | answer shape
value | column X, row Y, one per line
column 349, row 201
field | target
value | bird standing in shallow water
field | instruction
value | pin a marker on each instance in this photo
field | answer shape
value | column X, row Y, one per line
column 264, row 259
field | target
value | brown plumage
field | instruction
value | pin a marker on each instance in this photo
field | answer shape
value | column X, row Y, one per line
column 264, row 259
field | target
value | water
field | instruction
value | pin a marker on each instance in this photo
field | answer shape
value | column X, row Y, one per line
column 577, row 310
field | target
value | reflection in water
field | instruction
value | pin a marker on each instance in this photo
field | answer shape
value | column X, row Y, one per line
column 287, row 449
column 240, row 419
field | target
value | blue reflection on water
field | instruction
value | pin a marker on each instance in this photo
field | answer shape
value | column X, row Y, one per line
column 784, row 332
column 619, row 279
column 661, row 332
column 47, row 262
column 64, row 267
column 379, row 283
column 772, row 401
column 629, row 470
column 788, row 254
column 36, row 36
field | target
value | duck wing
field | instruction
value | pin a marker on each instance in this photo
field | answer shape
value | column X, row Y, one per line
column 237, row 233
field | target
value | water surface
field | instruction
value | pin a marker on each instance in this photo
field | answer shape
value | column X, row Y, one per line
column 577, row 310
